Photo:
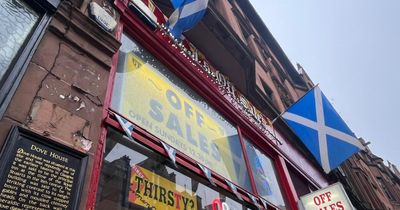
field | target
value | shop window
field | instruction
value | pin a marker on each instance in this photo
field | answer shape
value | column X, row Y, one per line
column 265, row 176
column 384, row 187
column 155, row 99
column 135, row 177
column 22, row 24
column 267, row 90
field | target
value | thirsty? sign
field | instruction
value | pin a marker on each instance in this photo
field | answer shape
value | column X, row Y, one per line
column 332, row 197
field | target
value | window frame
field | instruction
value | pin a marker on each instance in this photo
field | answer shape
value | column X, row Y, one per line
column 17, row 68
column 245, row 183
column 277, row 163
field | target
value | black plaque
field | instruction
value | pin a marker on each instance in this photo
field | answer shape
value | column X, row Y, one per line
column 38, row 173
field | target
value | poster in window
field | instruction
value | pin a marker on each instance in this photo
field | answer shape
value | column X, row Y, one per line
column 149, row 95
column 152, row 191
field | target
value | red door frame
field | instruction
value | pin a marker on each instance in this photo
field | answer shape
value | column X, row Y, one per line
column 157, row 44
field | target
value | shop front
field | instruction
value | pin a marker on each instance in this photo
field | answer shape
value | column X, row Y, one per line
column 169, row 96
column 87, row 123
column 164, row 107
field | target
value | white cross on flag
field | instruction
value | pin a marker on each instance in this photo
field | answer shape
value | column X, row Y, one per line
column 322, row 130
column 186, row 15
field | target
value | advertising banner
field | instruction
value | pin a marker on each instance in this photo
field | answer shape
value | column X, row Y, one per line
column 333, row 197
column 160, row 103
column 152, row 191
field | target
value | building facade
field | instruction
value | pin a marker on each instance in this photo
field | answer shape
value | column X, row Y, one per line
column 66, row 80
column 369, row 182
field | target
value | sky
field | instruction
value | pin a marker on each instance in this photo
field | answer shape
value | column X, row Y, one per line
column 352, row 49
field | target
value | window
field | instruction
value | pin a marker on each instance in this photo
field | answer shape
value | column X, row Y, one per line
column 135, row 177
column 17, row 19
column 265, row 176
column 149, row 95
column 385, row 189
column 267, row 90
column 21, row 25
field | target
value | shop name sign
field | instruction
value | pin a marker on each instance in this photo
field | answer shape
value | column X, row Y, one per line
column 332, row 197
column 225, row 86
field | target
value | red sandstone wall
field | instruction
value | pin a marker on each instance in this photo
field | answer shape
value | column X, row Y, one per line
column 62, row 93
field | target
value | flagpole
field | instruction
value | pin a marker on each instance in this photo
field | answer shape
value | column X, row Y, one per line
column 280, row 115
column 277, row 117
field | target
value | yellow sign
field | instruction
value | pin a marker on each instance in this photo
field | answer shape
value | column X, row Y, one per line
column 152, row 191
column 157, row 102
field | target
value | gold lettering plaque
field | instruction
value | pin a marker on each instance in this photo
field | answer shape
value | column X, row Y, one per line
column 39, row 173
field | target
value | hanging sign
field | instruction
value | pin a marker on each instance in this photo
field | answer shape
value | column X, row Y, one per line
column 332, row 197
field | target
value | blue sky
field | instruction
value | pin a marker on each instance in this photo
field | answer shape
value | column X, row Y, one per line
column 352, row 49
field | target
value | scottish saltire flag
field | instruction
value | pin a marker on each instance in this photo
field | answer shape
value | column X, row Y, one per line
column 187, row 14
column 176, row 3
column 126, row 125
column 322, row 130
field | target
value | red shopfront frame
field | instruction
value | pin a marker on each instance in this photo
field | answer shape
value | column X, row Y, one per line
column 158, row 45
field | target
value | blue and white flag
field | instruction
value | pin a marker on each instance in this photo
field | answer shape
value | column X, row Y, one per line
column 177, row 3
column 254, row 200
column 171, row 152
column 208, row 173
column 126, row 125
column 234, row 189
column 186, row 15
column 264, row 203
column 322, row 130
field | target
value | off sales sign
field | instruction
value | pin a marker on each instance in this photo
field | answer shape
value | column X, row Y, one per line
column 332, row 197
column 156, row 100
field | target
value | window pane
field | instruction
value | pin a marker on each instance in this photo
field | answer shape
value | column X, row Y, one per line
column 16, row 21
column 134, row 177
column 265, row 176
column 151, row 96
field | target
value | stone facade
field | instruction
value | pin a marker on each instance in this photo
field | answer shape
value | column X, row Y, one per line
column 370, row 183
column 62, row 93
